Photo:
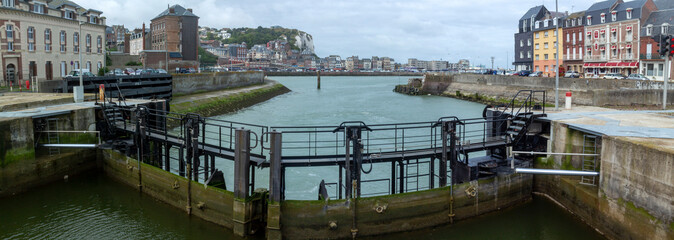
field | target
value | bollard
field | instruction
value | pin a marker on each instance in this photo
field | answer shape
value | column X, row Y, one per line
column 568, row 101
column 101, row 93
column 27, row 85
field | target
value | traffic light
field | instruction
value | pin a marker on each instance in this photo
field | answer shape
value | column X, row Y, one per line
column 666, row 46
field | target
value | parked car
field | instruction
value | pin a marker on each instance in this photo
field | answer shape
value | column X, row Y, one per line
column 524, row 73
column 161, row 71
column 636, row 76
column 76, row 73
column 571, row 74
column 129, row 71
column 138, row 71
column 536, row 74
column 614, row 76
column 192, row 70
column 148, row 71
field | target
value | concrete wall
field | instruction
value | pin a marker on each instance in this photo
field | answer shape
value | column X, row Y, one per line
column 189, row 83
column 119, row 60
column 209, row 203
column 23, row 166
column 596, row 92
column 401, row 212
column 634, row 195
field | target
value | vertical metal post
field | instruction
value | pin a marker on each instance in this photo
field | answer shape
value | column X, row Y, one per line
column 393, row 177
column 402, row 176
column 443, row 161
column 167, row 158
column 339, row 183
column 206, row 168
column 668, row 74
column 452, row 150
column 557, row 59
column 242, row 163
column 431, row 174
column 275, row 163
column 181, row 161
column 347, row 163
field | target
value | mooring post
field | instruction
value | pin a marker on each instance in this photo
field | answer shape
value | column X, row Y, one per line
column 141, row 118
column 318, row 73
column 242, row 210
column 274, row 206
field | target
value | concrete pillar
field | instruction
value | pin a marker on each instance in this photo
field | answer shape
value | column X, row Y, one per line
column 242, row 209
column 275, row 191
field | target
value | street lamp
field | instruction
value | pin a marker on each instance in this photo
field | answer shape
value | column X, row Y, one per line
column 557, row 57
column 78, row 91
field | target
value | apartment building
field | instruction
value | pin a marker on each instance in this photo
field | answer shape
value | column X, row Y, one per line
column 612, row 36
column 658, row 24
column 42, row 40
column 524, row 46
column 545, row 43
column 573, row 42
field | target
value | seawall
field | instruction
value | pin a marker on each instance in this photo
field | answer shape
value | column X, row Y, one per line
column 351, row 74
column 498, row 88
column 225, row 103
column 199, row 82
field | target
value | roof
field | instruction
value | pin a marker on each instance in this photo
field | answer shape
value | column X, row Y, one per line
column 664, row 4
column 660, row 17
column 576, row 15
column 532, row 11
column 59, row 3
column 632, row 4
column 602, row 5
column 178, row 11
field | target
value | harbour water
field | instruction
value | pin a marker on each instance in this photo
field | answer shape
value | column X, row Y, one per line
column 92, row 206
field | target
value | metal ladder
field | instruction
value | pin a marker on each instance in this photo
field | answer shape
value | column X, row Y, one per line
column 412, row 180
column 53, row 136
column 589, row 162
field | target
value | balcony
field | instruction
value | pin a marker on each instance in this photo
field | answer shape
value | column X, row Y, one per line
column 597, row 58
column 651, row 56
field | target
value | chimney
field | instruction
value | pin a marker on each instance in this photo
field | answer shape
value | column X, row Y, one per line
column 172, row 10
column 189, row 9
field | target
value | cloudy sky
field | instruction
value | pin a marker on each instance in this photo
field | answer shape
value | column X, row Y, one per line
column 402, row 29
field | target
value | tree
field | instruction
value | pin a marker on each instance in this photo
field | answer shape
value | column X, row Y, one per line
column 207, row 58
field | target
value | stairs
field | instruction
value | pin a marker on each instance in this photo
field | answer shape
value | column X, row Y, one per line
column 517, row 128
column 589, row 162
column 412, row 179
column 112, row 115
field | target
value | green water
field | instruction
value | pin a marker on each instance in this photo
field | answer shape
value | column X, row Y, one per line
column 92, row 206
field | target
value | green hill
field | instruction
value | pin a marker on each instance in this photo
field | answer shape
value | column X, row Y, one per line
column 258, row 35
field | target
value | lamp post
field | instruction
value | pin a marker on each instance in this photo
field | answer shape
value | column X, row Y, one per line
column 557, row 58
column 79, row 52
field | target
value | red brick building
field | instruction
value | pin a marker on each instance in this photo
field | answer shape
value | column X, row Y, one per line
column 573, row 42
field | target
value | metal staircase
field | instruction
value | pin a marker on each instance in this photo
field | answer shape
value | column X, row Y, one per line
column 589, row 162
column 517, row 128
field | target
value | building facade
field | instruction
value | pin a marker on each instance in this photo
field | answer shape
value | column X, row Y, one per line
column 524, row 38
column 573, row 42
column 176, row 30
column 545, row 44
column 658, row 24
column 42, row 40
column 612, row 30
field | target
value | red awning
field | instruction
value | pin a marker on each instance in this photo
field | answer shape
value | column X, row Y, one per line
column 613, row 64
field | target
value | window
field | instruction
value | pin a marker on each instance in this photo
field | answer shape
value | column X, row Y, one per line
column 545, row 34
column 554, row 22
column 589, row 20
column 555, row 32
column 567, row 53
column 38, row 8
column 555, row 44
column 31, row 47
column 589, row 36
column 603, row 18
column 10, row 32
column 554, row 55
column 99, row 44
column 546, row 68
column 88, row 43
column 537, row 57
column 529, row 42
column 665, row 27
column 568, row 39
column 537, row 68
column 521, row 43
column 574, row 38
column 545, row 45
column 63, row 68
column 537, row 35
column 31, row 34
column 528, row 54
column 545, row 23
column 521, row 54
column 10, row 46
column 8, row 3
column 629, row 13
column 524, row 25
column 98, row 66
column 649, row 30
column 580, row 21
column 614, row 15
column 537, row 24
column 89, row 66
column 69, row 14
column 62, row 41
column 76, row 42
column 537, row 46
column 92, row 19
column 545, row 56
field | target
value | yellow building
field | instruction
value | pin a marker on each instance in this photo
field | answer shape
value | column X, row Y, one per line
column 545, row 50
